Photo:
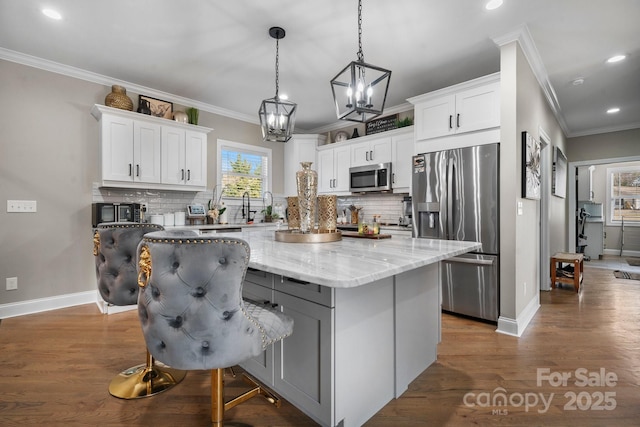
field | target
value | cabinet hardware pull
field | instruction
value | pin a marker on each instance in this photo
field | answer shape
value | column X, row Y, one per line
column 393, row 175
column 301, row 282
column 188, row 174
column 458, row 120
column 182, row 171
column 138, row 170
column 130, row 169
column 450, row 121
column 371, row 155
column 274, row 305
column 366, row 156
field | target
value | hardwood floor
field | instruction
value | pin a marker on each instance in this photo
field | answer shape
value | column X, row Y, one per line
column 55, row 368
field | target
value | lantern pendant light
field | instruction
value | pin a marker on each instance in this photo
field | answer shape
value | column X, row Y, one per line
column 277, row 116
column 360, row 89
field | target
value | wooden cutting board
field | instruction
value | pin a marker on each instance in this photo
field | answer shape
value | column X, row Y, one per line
column 365, row 236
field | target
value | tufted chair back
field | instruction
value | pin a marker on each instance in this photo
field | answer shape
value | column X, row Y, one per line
column 114, row 248
column 190, row 302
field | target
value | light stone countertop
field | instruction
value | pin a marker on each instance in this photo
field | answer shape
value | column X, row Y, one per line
column 347, row 263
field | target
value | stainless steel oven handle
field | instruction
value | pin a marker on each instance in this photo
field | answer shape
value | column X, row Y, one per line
column 470, row 261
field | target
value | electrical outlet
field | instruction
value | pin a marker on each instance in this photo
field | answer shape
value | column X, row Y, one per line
column 12, row 283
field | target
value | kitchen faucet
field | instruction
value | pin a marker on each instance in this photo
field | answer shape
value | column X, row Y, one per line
column 248, row 211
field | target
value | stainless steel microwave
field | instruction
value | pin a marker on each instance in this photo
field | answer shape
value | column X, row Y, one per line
column 114, row 212
column 374, row 177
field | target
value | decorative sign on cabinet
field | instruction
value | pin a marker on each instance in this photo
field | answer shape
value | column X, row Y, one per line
column 140, row 151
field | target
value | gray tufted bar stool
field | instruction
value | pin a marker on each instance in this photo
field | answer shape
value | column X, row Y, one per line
column 192, row 313
column 115, row 249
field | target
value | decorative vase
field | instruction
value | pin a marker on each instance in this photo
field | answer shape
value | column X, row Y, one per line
column 293, row 213
column 327, row 213
column 118, row 99
column 307, row 182
column 355, row 133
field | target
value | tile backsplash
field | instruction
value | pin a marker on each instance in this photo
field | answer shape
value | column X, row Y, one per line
column 388, row 206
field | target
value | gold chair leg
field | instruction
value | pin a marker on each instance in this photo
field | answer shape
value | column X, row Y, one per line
column 145, row 380
column 219, row 406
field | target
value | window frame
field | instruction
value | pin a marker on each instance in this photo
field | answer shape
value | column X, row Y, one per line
column 610, row 198
column 249, row 149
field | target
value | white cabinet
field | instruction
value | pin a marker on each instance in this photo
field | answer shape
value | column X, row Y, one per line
column 130, row 150
column 467, row 107
column 594, row 232
column 139, row 151
column 184, row 157
column 333, row 169
column 376, row 150
column 301, row 148
column 585, row 183
column 402, row 147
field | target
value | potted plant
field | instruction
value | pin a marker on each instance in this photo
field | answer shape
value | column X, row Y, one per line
column 269, row 214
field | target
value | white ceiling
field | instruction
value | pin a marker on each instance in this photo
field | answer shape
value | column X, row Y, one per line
column 219, row 53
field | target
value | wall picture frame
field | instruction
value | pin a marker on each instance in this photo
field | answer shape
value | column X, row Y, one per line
column 159, row 108
column 559, row 173
column 530, row 167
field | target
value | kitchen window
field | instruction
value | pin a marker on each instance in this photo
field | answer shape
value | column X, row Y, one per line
column 243, row 167
column 623, row 197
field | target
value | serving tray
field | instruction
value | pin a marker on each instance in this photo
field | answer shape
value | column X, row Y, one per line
column 365, row 236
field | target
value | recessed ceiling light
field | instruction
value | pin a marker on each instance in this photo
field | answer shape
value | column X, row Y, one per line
column 493, row 4
column 613, row 110
column 53, row 14
column 616, row 58
column 578, row 81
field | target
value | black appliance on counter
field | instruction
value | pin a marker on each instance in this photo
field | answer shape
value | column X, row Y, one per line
column 455, row 196
column 115, row 212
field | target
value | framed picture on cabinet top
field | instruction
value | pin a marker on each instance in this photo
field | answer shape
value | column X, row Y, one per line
column 559, row 173
column 530, row 167
column 158, row 107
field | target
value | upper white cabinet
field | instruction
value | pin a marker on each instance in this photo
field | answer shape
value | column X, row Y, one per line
column 402, row 147
column 301, row 148
column 467, row 107
column 139, row 151
column 333, row 169
column 130, row 151
column 376, row 150
column 184, row 157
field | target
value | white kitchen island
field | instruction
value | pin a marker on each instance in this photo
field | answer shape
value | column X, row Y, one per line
column 366, row 319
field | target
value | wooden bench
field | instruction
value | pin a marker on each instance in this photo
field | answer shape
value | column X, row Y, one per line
column 557, row 262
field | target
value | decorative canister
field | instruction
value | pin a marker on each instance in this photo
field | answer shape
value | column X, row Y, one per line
column 307, row 182
column 293, row 213
column 118, row 99
column 327, row 213
column 181, row 117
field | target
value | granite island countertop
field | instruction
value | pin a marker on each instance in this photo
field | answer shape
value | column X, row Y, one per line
column 346, row 263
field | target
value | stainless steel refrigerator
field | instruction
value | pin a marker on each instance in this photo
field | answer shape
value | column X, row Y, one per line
column 455, row 196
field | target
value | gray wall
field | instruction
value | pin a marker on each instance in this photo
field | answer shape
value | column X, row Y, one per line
column 523, row 108
column 49, row 153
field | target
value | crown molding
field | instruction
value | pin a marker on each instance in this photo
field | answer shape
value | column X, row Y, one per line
column 78, row 73
column 524, row 39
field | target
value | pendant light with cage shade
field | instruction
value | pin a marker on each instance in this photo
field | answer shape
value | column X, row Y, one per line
column 277, row 115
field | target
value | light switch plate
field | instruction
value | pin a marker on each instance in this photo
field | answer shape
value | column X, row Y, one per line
column 22, row 206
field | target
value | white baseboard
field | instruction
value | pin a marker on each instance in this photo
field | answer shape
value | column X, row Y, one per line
column 624, row 252
column 46, row 304
column 517, row 326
